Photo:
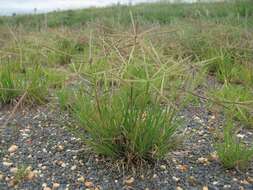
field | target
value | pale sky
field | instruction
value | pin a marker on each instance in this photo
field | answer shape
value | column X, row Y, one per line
column 7, row 7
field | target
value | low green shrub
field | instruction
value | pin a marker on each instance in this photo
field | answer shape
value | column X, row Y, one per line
column 231, row 152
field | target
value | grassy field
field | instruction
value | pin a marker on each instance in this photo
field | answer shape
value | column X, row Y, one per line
column 124, row 73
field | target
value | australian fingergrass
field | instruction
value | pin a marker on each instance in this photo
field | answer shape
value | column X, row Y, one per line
column 127, row 124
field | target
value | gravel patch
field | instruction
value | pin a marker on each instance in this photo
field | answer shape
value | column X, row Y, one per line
column 38, row 139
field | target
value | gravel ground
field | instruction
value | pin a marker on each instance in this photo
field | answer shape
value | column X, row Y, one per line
column 57, row 160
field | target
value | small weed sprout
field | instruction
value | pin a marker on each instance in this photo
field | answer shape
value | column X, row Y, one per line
column 21, row 174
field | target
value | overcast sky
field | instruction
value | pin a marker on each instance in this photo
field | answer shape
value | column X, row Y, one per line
column 8, row 7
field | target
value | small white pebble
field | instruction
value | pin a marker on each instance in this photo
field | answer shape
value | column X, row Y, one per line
column 7, row 164
column 44, row 185
column 176, row 179
column 14, row 170
column 163, row 167
column 60, row 147
column 234, row 179
column 197, row 119
column 73, row 167
column 215, row 182
column 56, row 185
column 241, row 136
column 81, row 179
column 129, row 181
column 227, row 186
column 13, row 148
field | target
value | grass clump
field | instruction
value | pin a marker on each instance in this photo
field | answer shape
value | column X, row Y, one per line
column 128, row 124
column 65, row 98
column 232, row 152
column 36, row 85
column 237, row 100
column 60, row 51
column 31, row 83
column 7, row 84
column 226, row 48
column 227, row 68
